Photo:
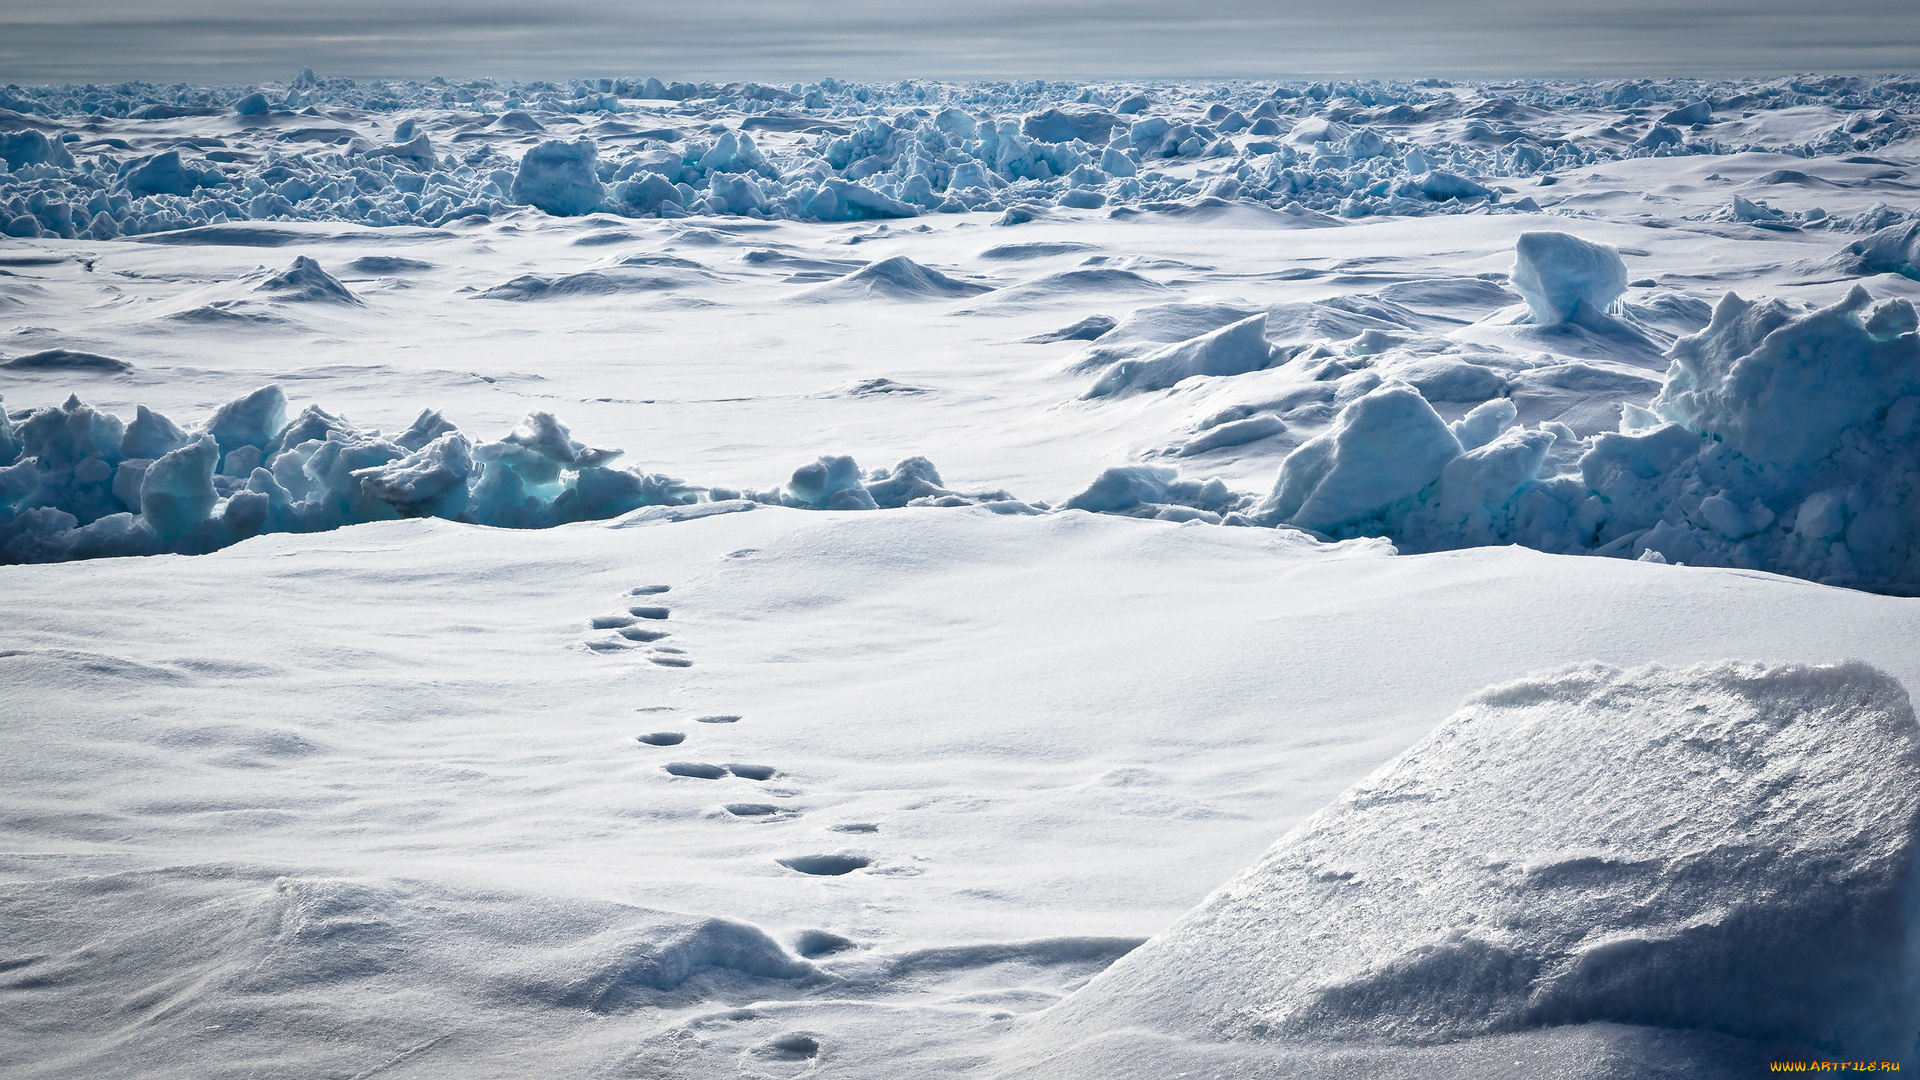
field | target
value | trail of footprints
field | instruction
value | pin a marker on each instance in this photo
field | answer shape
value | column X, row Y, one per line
column 632, row 630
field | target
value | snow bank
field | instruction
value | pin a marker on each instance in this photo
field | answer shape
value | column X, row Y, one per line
column 1892, row 250
column 1686, row 849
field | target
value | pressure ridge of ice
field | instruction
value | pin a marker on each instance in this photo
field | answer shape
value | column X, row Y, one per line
column 134, row 159
column 1729, row 848
column 76, row 483
column 1783, row 439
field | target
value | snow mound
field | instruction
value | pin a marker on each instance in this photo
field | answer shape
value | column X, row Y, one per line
column 1892, row 250
column 1692, row 848
column 558, row 177
column 835, row 482
column 1146, row 329
column 631, row 967
column 1156, row 491
column 66, row 360
column 1091, row 328
column 304, row 281
column 255, row 943
column 898, row 278
column 1563, row 277
column 1234, row 349
column 1050, row 289
column 589, row 283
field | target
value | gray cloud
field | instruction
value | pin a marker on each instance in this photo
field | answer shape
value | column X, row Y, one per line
column 200, row 40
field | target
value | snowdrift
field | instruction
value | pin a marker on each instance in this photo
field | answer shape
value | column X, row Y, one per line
column 1700, row 850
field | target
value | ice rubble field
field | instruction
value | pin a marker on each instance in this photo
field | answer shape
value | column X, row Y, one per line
column 661, row 580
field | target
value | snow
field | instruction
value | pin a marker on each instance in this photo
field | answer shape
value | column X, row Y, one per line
column 370, row 713
column 495, row 845
column 1692, row 849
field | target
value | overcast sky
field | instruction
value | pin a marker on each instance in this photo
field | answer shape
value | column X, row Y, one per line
column 796, row 40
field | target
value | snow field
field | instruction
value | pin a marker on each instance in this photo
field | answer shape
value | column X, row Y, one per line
column 445, row 740
column 938, row 685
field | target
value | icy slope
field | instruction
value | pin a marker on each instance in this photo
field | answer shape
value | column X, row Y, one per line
column 1724, row 849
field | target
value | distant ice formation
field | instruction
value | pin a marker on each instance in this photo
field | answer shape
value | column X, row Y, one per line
column 136, row 159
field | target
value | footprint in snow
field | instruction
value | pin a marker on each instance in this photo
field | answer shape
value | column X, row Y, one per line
column 663, row 738
column 792, row 1046
column 825, row 865
column 759, row 810
column 702, row 771
column 629, row 630
column 814, row 944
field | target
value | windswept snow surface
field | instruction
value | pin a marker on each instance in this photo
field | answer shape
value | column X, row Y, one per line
column 1031, row 501
column 1695, row 849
